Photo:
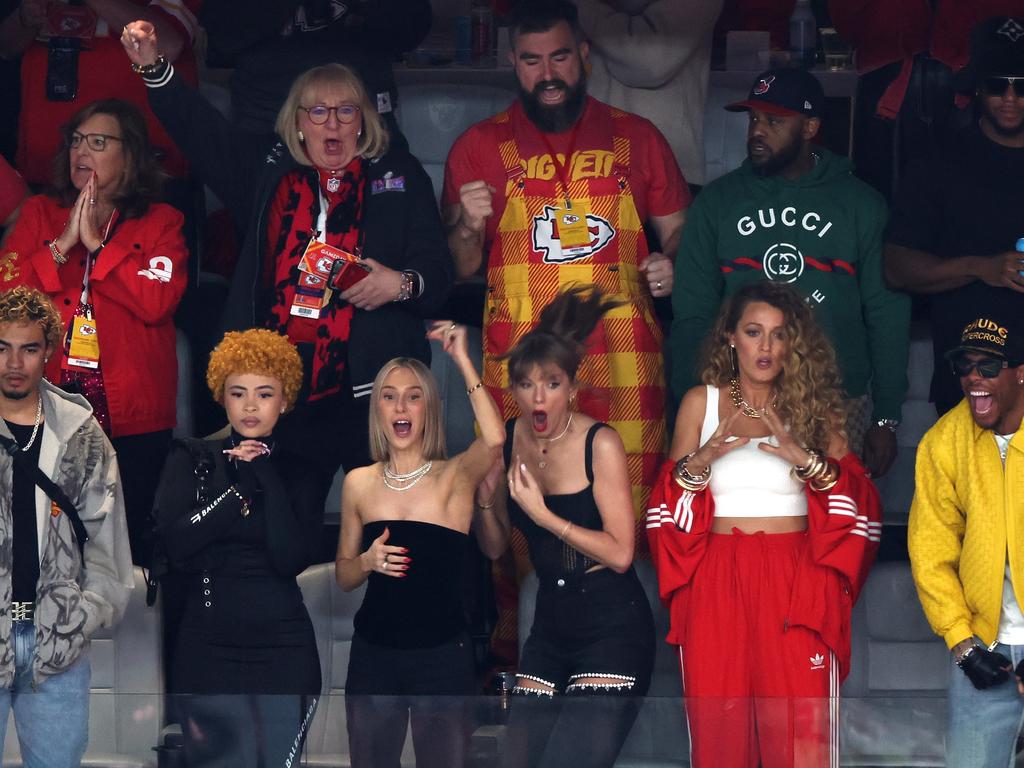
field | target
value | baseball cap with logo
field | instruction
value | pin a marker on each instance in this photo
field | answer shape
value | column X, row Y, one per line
column 784, row 92
column 996, row 335
column 997, row 48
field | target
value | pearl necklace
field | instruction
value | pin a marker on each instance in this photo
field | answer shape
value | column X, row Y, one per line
column 35, row 427
column 409, row 479
column 549, row 440
column 743, row 405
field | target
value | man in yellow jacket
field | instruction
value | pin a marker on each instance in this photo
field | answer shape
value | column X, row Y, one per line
column 966, row 539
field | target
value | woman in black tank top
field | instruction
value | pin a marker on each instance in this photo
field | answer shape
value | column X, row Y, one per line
column 404, row 531
column 569, row 494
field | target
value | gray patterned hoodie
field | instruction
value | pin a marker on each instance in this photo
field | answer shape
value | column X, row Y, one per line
column 76, row 594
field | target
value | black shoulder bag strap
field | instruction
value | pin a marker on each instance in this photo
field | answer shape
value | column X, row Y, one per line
column 50, row 488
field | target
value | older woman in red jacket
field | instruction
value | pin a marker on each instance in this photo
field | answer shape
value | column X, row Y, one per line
column 114, row 262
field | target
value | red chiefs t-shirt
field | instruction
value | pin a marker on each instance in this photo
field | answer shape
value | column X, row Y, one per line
column 658, row 186
column 104, row 72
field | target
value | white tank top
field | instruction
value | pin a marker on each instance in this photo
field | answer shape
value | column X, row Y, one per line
column 747, row 482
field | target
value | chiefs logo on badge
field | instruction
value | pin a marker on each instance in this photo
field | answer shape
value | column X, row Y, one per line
column 763, row 85
column 546, row 242
column 87, row 330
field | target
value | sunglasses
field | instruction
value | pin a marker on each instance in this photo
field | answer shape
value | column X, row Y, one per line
column 996, row 86
column 318, row 115
column 988, row 367
column 96, row 141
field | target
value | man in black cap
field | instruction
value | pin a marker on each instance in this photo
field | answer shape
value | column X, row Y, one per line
column 794, row 213
column 966, row 537
column 958, row 215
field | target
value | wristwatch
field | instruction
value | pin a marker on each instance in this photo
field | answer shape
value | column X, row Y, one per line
column 890, row 424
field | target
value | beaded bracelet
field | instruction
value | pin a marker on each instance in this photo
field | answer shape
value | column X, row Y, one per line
column 474, row 388
column 148, row 70
column 58, row 257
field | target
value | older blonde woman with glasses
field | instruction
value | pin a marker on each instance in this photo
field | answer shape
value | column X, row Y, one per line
column 326, row 190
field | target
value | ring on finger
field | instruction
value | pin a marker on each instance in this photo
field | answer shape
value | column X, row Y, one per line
column 658, row 285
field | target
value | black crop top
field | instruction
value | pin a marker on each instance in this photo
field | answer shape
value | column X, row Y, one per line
column 551, row 557
column 423, row 609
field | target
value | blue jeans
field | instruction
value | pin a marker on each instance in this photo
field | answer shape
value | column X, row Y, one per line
column 53, row 720
column 983, row 725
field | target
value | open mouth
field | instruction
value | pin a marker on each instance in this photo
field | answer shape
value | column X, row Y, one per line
column 332, row 146
column 764, row 363
column 539, row 421
column 981, row 402
column 402, row 428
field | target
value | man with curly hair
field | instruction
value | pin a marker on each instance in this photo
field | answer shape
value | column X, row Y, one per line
column 65, row 567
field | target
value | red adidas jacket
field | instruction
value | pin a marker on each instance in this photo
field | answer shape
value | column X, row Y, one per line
column 844, row 528
column 136, row 284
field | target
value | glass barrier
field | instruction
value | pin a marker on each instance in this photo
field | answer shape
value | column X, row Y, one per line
column 155, row 731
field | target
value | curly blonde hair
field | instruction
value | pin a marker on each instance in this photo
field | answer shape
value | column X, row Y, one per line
column 27, row 305
column 810, row 393
column 258, row 351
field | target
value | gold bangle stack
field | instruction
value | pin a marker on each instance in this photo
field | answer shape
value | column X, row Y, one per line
column 819, row 472
column 688, row 481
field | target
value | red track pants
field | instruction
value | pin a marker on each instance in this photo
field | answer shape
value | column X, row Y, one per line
column 756, row 690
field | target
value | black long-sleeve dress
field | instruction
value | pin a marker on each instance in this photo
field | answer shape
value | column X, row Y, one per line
column 245, row 628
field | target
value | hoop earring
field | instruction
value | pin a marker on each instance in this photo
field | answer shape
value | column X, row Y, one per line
column 301, row 136
column 735, row 360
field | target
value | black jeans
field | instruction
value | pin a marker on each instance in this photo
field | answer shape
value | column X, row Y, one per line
column 140, row 460
column 598, row 625
column 387, row 686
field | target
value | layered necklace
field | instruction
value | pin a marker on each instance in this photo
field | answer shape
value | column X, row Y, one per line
column 35, row 427
column 549, row 440
column 743, row 405
column 403, row 481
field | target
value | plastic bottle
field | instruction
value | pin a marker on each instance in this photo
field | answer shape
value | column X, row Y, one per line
column 1020, row 249
column 803, row 34
column 482, row 20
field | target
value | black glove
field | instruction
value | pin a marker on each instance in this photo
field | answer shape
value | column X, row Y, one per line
column 985, row 668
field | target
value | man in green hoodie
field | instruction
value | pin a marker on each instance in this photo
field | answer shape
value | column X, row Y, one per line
column 794, row 213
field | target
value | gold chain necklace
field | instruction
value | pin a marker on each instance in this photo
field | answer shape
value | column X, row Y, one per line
column 549, row 440
column 741, row 404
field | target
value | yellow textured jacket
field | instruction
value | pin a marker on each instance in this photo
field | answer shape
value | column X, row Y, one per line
column 967, row 508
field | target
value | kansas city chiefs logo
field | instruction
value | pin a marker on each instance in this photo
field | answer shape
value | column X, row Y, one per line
column 546, row 240
column 763, row 85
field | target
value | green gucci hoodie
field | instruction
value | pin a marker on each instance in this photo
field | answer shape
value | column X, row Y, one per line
column 820, row 233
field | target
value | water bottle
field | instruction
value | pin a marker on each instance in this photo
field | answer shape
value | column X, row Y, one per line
column 802, row 34
column 1020, row 249
column 482, row 21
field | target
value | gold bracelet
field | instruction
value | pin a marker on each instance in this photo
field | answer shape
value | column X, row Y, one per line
column 827, row 478
column 561, row 536
column 688, row 481
column 58, row 257
column 474, row 388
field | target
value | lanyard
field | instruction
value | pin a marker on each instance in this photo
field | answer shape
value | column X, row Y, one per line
column 560, row 168
column 90, row 261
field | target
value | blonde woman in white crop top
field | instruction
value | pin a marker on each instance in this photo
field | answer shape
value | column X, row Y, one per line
column 762, row 526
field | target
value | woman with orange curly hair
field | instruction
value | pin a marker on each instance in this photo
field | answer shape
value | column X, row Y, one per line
column 239, row 519
column 762, row 527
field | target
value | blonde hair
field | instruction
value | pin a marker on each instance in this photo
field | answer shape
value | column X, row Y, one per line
column 433, row 429
column 258, row 351
column 28, row 305
column 373, row 142
column 809, row 388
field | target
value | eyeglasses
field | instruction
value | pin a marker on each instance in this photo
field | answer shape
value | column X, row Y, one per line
column 96, row 141
column 996, row 86
column 318, row 115
column 988, row 367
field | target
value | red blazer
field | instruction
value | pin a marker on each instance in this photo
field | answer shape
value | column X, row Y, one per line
column 843, row 531
column 136, row 284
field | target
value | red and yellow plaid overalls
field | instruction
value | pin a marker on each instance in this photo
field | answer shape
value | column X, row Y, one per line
column 622, row 379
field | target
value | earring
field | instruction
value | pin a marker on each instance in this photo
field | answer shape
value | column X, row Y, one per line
column 734, row 359
column 301, row 136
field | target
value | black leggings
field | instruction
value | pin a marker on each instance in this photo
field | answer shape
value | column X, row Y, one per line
column 386, row 686
column 598, row 625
